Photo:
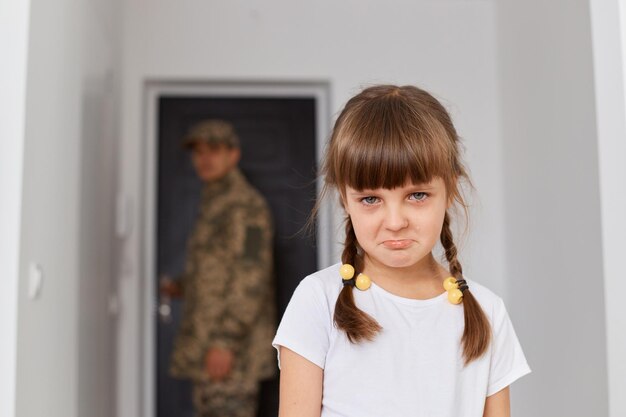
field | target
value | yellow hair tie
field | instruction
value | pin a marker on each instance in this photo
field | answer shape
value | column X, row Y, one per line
column 362, row 281
column 455, row 289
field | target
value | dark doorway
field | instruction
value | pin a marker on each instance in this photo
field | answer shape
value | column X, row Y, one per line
column 279, row 158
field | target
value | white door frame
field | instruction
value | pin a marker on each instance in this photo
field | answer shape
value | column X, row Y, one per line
column 327, row 244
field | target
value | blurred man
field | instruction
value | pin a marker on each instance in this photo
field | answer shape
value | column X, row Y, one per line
column 224, row 341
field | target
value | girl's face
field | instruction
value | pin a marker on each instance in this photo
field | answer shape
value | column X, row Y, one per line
column 398, row 228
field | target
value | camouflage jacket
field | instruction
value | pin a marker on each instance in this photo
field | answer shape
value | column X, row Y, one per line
column 228, row 284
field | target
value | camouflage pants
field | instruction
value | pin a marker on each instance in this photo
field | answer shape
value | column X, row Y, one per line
column 233, row 397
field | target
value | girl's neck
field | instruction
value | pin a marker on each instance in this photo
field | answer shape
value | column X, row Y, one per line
column 420, row 281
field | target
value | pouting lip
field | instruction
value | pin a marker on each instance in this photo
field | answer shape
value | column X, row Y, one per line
column 397, row 243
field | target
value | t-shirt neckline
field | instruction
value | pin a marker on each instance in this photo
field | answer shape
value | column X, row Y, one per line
column 408, row 301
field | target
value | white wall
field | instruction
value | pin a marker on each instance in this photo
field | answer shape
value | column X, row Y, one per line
column 448, row 47
column 517, row 76
column 554, row 247
column 13, row 50
column 68, row 180
column 608, row 18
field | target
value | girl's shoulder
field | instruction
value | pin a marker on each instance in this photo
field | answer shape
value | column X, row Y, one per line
column 323, row 283
column 316, row 295
column 491, row 303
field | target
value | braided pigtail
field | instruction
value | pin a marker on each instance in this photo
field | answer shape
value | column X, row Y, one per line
column 357, row 324
column 477, row 333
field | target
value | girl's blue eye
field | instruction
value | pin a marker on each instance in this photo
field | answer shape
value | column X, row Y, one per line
column 369, row 200
column 419, row 196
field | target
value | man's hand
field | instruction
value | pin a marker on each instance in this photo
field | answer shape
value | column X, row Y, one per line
column 170, row 288
column 219, row 363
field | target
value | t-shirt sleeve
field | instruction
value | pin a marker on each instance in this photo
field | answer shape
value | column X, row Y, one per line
column 508, row 362
column 306, row 324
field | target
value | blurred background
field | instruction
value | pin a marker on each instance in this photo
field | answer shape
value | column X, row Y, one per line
column 535, row 88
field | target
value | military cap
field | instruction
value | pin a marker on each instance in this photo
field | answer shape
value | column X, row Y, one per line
column 212, row 131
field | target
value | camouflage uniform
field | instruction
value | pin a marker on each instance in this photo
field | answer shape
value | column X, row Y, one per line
column 228, row 298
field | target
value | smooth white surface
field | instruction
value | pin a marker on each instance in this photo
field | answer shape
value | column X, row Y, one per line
column 609, row 43
column 446, row 47
column 554, row 254
column 64, row 342
column 14, row 23
column 414, row 366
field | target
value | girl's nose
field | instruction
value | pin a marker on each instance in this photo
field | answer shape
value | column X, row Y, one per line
column 396, row 218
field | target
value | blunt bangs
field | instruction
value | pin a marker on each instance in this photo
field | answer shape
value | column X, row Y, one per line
column 386, row 144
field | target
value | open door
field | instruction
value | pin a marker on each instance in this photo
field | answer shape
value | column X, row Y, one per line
column 280, row 144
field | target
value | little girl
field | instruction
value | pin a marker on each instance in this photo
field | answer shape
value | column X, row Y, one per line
column 390, row 332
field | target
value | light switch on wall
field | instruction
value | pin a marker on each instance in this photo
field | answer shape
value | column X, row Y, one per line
column 35, row 280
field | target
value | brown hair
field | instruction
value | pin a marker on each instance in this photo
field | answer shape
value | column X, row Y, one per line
column 384, row 135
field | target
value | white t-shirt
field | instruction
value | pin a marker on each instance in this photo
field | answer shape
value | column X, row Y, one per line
column 414, row 366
